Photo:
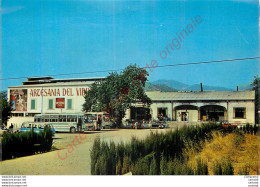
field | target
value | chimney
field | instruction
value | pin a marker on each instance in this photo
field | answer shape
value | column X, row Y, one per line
column 201, row 87
column 237, row 88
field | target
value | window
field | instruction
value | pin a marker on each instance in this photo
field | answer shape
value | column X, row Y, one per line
column 162, row 112
column 239, row 113
column 69, row 104
column 33, row 104
column 50, row 103
column 71, row 118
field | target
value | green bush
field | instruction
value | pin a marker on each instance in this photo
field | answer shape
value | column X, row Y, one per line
column 239, row 138
column 153, row 167
column 217, row 169
column 24, row 144
column 158, row 153
column 244, row 171
column 202, row 168
column 178, row 167
column 228, row 168
column 164, row 166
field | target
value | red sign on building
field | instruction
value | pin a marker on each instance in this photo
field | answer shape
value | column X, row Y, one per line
column 60, row 102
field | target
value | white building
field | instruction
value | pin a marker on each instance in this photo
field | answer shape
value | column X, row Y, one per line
column 233, row 106
column 48, row 95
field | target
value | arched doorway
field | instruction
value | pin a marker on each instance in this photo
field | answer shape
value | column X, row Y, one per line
column 212, row 113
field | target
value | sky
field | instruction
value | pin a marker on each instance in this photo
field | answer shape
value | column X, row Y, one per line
column 50, row 37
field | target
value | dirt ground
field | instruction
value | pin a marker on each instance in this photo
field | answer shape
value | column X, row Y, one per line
column 72, row 154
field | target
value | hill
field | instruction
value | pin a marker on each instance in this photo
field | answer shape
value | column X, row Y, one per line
column 185, row 87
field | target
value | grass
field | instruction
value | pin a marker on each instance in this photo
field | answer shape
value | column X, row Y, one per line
column 241, row 150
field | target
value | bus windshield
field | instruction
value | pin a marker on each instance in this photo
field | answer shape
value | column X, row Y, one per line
column 89, row 118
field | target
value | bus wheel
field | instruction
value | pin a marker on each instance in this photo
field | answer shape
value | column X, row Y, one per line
column 72, row 130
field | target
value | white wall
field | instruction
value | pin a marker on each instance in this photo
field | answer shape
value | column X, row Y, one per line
column 42, row 96
column 193, row 115
column 250, row 112
column 155, row 106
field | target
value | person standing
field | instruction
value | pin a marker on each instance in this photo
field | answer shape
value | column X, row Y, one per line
column 11, row 127
column 79, row 125
column 99, row 121
column 187, row 116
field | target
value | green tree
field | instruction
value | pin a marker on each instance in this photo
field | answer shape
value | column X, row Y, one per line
column 6, row 108
column 118, row 92
column 256, row 88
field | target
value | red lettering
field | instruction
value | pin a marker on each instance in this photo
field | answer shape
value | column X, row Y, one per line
column 64, row 92
column 31, row 93
column 137, row 81
column 77, row 90
column 58, row 92
column 81, row 134
column 58, row 153
column 70, row 148
column 126, row 91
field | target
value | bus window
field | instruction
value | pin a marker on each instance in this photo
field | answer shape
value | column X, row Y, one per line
column 37, row 118
column 54, row 118
column 64, row 118
column 69, row 118
column 60, row 118
column 74, row 118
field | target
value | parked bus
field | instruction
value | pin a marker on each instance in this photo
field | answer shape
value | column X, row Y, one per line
column 36, row 126
column 69, row 122
column 101, row 120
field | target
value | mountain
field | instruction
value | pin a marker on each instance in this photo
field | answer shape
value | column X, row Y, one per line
column 171, row 83
column 158, row 87
column 196, row 87
column 245, row 87
column 176, row 85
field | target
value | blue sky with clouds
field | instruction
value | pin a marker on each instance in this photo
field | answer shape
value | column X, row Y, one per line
column 54, row 37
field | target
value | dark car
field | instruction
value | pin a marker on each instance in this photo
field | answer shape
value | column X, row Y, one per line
column 159, row 124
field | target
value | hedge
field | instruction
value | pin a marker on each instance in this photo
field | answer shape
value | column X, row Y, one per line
column 24, row 144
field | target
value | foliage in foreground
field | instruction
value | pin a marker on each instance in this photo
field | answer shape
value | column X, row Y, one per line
column 5, row 108
column 160, row 154
column 23, row 144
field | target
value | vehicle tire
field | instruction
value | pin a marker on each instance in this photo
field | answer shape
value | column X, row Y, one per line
column 72, row 130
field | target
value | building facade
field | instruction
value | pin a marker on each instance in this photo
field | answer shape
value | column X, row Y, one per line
column 56, row 96
column 233, row 106
column 47, row 95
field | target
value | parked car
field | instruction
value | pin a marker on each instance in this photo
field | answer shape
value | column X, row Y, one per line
column 159, row 124
column 3, row 129
column 227, row 124
column 36, row 126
